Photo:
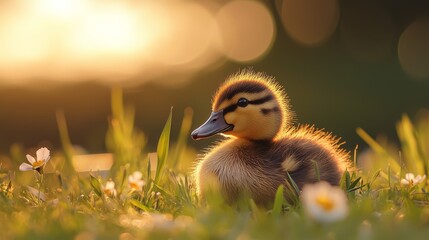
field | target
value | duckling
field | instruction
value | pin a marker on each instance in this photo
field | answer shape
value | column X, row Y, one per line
column 261, row 149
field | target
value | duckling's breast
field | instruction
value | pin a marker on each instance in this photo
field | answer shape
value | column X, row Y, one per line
column 241, row 167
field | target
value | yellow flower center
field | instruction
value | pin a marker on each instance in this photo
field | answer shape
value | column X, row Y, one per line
column 325, row 202
column 134, row 185
column 108, row 191
column 38, row 163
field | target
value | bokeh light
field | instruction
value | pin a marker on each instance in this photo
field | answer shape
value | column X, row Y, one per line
column 124, row 41
column 367, row 30
column 247, row 30
column 59, row 9
column 187, row 37
column 413, row 49
column 308, row 22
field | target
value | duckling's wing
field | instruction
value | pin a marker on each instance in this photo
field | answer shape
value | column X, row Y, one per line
column 309, row 154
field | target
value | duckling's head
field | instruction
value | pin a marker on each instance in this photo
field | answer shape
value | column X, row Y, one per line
column 248, row 105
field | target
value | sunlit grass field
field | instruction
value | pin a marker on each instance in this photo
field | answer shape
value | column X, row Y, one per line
column 57, row 202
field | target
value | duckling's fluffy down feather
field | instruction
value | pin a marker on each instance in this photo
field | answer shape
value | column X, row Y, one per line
column 256, row 169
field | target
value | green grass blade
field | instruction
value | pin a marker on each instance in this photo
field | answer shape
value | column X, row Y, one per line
column 374, row 177
column 139, row 205
column 65, row 141
column 96, row 185
column 389, row 176
column 292, row 191
column 355, row 156
column 355, row 182
column 258, row 213
column 123, row 179
column 292, row 182
column 162, row 149
column 347, row 179
column 149, row 169
column 278, row 201
column 181, row 143
column 378, row 149
column 406, row 135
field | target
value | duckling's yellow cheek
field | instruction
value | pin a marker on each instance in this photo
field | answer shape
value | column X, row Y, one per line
column 231, row 118
column 237, row 119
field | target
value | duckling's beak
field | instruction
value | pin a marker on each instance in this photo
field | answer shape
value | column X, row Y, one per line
column 215, row 124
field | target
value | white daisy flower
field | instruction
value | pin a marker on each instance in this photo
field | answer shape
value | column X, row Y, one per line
column 324, row 203
column 36, row 164
column 109, row 188
column 410, row 180
column 135, row 181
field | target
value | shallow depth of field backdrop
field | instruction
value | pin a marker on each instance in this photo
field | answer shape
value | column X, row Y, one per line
column 344, row 64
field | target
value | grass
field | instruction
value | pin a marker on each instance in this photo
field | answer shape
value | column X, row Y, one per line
column 74, row 205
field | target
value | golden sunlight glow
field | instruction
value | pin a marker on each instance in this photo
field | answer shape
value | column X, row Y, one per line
column 23, row 44
column 308, row 22
column 106, row 41
column 22, row 41
column 114, row 25
column 247, row 30
column 413, row 49
column 191, row 31
column 111, row 41
column 76, row 40
column 59, row 9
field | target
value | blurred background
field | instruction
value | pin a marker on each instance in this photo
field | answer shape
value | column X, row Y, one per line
column 344, row 64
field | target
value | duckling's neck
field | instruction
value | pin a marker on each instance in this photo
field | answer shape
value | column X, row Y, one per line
column 249, row 141
column 261, row 142
column 241, row 147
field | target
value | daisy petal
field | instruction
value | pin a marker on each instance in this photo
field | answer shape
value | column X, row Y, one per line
column 409, row 176
column 25, row 167
column 30, row 159
column 137, row 175
column 404, row 182
column 417, row 179
column 141, row 183
column 42, row 154
column 110, row 185
column 324, row 203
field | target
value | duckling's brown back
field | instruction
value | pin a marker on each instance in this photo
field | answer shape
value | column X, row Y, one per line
column 310, row 155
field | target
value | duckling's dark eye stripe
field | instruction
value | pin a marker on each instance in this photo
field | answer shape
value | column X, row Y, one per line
column 266, row 111
column 242, row 87
column 261, row 100
column 232, row 107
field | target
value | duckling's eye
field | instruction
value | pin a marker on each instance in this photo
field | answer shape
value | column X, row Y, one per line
column 242, row 102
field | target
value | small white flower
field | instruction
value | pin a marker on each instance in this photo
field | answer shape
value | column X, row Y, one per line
column 109, row 188
column 36, row 164
column 410, row 180
column 324, row 203
column 135, row 181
